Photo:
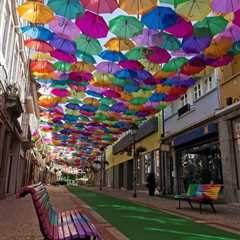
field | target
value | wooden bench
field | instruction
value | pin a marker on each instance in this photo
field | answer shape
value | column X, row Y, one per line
column 55, row 225
column 202, row 194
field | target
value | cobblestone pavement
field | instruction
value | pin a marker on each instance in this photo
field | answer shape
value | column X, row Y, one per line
column 18, row 220
column 227, row 217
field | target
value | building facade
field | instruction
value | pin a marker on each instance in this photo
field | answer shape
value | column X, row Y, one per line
column 16, row 104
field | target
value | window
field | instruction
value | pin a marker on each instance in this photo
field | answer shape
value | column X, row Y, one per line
column 197, row 91
column 184, row 100
column 6, row 31
column 208, row 84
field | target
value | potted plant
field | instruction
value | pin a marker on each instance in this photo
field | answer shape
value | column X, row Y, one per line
column 151, row 184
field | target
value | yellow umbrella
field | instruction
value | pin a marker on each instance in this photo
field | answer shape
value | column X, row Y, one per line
column 162, row 74
column 162, row 89
column 150, row 66
column 83, row 66
column 119, row 44
column 42, row 56
column 35, row 12
column 126, row 96
column 219, row 47
column 91, row 101
column 137, row 6
column 194, row 10
column 77, row 94
column 102, row 79
column 142, row 94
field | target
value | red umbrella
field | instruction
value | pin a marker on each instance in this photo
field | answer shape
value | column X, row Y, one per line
column 131, row 64
column 41, row 66
column 99, row 6
column 38, row 45
column 92, row 25
column 59, row 55
column 157, row 55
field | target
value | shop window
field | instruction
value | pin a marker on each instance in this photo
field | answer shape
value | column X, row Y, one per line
column 200, row 164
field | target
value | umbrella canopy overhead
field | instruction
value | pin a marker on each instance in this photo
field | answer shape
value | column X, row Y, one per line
column 102, row 67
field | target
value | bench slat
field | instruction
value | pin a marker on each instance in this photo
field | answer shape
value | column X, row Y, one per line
column 66, row 231
column 78, row 226
column 71, row 225
column 82, row 220
column 60, row 229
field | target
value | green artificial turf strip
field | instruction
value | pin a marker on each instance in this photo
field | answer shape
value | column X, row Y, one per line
column 142, row 223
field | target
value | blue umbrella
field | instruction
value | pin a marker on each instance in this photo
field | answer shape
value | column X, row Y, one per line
column 157, row 97
column 40, row 33
column 160, row 18
column 131, row 88
column 125, row 73
column 112, row 56
column 88, row 108
column 73, row 106
column 93, row 93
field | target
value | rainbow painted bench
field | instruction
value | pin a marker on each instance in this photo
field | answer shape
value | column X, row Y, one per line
column 202, row 194
column 66, row 225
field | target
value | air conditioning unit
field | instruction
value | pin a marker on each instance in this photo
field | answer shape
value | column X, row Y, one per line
column 29, row 104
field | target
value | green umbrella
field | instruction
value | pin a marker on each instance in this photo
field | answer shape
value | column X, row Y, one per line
column 210, row 26
column 103, row 107
column 88, row 45
column 138, row 100
column 86, row 57
column 173, row 2
column 136, row 53
column 120, row 82
column 170, row 42
column 107, row 137
column 130, row 113
column 62, row 66
column 161, row 106
column 125, row 26
column 107, row 101
column 174, row 64
column 101, row 117
column 67, row 8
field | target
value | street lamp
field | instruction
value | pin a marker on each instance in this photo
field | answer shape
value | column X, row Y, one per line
column 134, row 133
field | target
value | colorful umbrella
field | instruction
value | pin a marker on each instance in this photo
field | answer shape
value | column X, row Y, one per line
column 173, row 2
column 88, row 45
column 145, row 39
column 194, row 10
column 80, row 76
column 137, row 6
column 61, row 56
column 37, row 32
column 182, row 28
column 159, row 18
column 92, row 25
column 35, row 12
column 41, row 56
column 38, row 45
column 86, row 57
column 225, row 6
column 174, row 64
column 60, row 92
column 136, row 53
column 62, row 66
column 210, row 26
column 41, row 66
column 112, row 56
column 111, row 94
column 125, row 26
column 64, row 45
column 195, row 44
column 98, row 6
column 219, row 62
column 232, row 31
column 83, row 66
column 131, row 65
column 108, row 67
column 157, row 55
column 236, row 19
column 66, row 8
column 119, row 44
column 64, row 28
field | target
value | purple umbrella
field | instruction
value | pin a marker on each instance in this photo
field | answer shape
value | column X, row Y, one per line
column 233, row 31
column 225, row 6
column 64, row 45
column 131, row 65
column 64, row 28
column 119, row 107
column 195, row 44
column 108, row 67
column 63, row 56
column 80, row 76
column 92, row 25
column 145, row 39
column 111, row 94
column 181, row 29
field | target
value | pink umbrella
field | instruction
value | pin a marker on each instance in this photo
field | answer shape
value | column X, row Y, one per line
column 80, row 76
column 181, row 29
column 60, row 92
column 237, row 18
column 233, row 31
column 131, row 64
column 92, row 25
column 108, row 67
column 157, row 55
column 99, row 6
column 63, row 56
column 145, row 39
column 64, row 28
column 225, row 6
column 111, row 94
column 225, row 60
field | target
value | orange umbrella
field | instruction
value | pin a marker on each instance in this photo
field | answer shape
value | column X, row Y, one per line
column 47, row 101
column 38, row 45
column 135, row 107
column 162, row 74
column 137, row 6
column 162, row 89
column 35, row 12
column 91, row 101
column 126, row 96
column 83, row 66
column 41, row 66
column 219, row 47
column 119, row 44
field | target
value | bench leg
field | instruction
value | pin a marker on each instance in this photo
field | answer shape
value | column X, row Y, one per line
column 213, row 208
column 190, row 203
column 179, row 204
column 200, row 207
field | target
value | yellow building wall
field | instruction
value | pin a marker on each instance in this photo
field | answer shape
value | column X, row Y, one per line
column 230, row 81
column 150, row 142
